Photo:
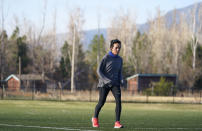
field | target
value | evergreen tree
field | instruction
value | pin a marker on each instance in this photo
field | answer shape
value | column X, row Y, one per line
column 92, row 53
column 17, row 47
column 65, row 63
column 3, row 61
column 62, row 67
column 82, row 70
column 191, row 78
column 22, row 53
column 93, row 50
column 198, row 82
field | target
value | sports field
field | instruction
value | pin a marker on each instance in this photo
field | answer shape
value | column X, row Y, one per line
column 52, row 115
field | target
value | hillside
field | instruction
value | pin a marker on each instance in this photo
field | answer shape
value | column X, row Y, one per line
column 89, row 34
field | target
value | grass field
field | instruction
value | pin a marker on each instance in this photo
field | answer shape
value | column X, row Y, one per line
column 52, row 115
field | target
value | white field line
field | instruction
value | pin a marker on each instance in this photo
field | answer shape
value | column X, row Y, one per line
column 45, row 127
column 167, row 128
column 66, row 128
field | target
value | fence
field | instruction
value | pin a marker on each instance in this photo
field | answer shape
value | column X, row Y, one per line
column 92, row 95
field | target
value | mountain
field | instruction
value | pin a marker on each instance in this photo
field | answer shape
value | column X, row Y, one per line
column 89, row 34
column 175, row 14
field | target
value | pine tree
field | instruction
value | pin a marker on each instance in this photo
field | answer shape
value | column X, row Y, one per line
column 93, row 52
column 92, row 55
column 65, row 64
column 3, row 63
column 23, row 53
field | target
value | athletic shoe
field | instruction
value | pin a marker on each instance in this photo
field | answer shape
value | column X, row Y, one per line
column 118, row 125
column 95, row 122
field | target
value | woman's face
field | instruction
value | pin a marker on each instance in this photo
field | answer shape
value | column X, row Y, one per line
column 116, row 49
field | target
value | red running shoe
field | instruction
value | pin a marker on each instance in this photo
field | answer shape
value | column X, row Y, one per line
column 118, row 125
column 95, row 122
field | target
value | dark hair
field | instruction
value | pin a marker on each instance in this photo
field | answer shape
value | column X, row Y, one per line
column 113, row 42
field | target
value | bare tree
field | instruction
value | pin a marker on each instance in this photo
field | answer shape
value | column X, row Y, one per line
column 196, row 28
column 74, row 37
column 38, row 54
column 49, row 43
column 98, row 46
column 158, row 36
column 123, row 27
column 54, row 42
column 2, row 42
column 179, row 36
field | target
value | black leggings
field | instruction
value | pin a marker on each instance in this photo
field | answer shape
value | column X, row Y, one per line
column 103, row 92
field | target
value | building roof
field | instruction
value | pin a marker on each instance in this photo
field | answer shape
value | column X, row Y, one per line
column 12, row 76
column 151, row 75
column 26, row 77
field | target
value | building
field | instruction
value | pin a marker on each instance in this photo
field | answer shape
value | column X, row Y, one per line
column 26, row 82
column 137, row 83
column 13, row 83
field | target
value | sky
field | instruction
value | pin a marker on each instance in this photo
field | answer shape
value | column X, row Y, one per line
column 32, row 10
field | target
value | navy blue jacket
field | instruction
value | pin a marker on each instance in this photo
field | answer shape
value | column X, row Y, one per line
column 110, row 71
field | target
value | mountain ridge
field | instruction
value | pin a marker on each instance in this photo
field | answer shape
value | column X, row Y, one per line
column 89, row 34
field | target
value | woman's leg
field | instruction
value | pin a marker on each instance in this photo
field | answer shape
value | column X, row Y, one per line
column 103, row 92
column 116, row 91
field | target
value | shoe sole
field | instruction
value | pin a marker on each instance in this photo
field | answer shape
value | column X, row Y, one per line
column 118, row 127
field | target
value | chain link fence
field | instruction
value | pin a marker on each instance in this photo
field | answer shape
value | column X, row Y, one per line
column 193, row 97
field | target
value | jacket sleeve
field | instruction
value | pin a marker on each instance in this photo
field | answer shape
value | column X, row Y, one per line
column 100, row 71
column 120, row 74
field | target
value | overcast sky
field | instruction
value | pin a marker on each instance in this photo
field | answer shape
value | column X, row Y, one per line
column 32, row 10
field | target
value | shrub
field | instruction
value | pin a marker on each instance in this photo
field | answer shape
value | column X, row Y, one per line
column 163, row 87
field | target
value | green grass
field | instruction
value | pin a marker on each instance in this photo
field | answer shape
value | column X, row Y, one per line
column 77, row 115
